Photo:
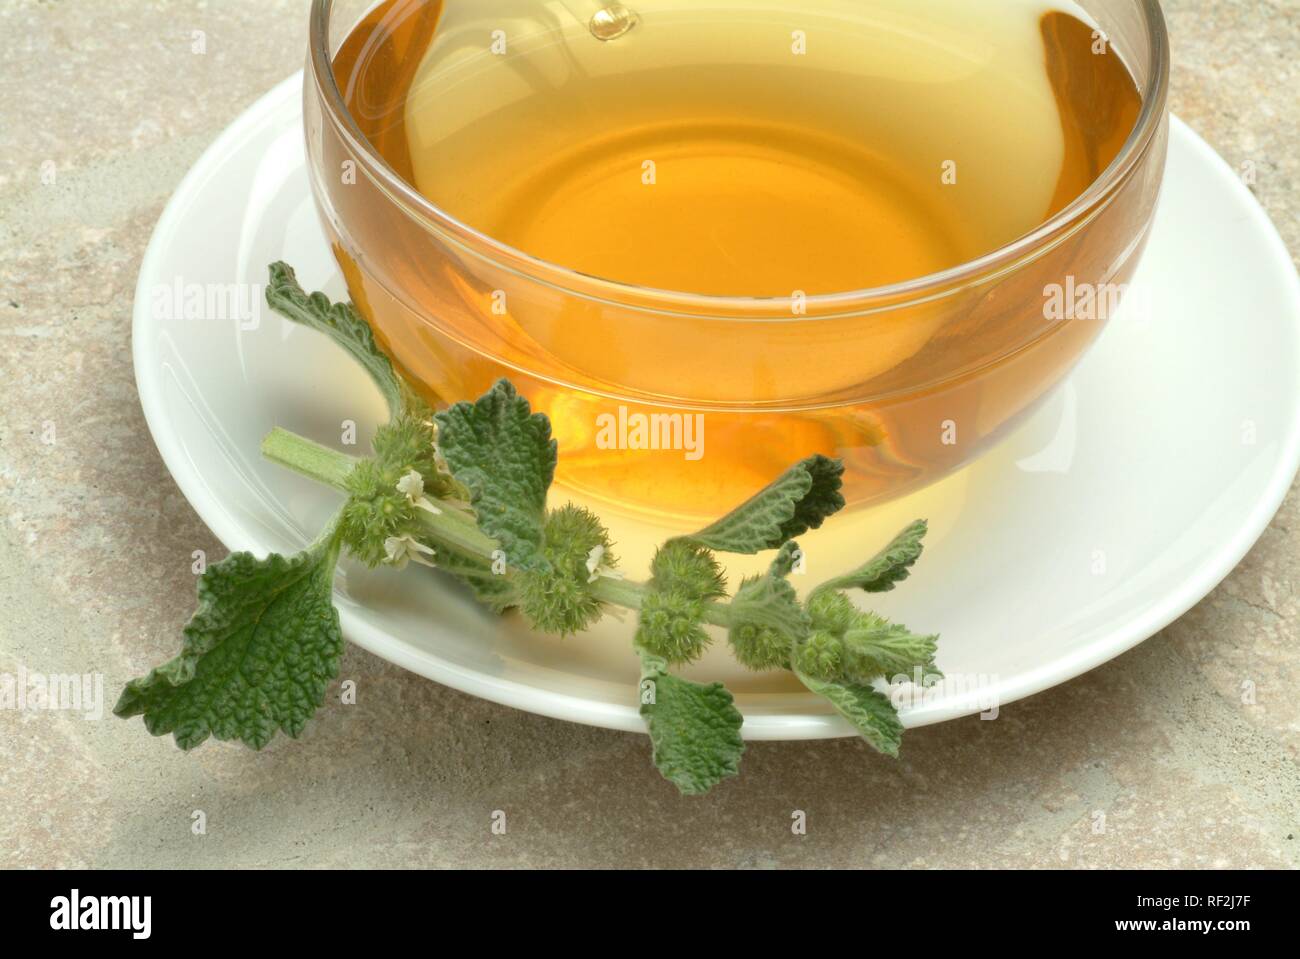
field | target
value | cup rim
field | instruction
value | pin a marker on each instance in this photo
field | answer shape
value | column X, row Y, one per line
column 930, row 286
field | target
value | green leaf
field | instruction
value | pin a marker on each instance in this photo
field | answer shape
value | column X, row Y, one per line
column 694, row 728
column 766, row 622
column 870, row 711
column 786, row 557
column 797, row 501
column 857, row 646
column 258, row 655
column 504, row 455
column 877, row 647
column 888, row 567
column 344, row 325
column 493, row 590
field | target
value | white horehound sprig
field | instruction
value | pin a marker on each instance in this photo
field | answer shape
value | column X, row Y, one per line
column 465, row 490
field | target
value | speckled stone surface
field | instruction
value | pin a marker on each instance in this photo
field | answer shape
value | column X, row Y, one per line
column 1151, row 760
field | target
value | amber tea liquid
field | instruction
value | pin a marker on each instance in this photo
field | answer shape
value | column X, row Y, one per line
column 730, row 149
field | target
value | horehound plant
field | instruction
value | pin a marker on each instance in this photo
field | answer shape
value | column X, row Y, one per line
column 464, row 490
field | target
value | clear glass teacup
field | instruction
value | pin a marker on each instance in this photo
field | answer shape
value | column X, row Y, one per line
column 679, row 404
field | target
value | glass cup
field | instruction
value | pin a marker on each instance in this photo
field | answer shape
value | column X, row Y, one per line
column 740, row 387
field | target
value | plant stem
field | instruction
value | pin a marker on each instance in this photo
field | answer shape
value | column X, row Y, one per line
column 308, row 458
column 451, row 528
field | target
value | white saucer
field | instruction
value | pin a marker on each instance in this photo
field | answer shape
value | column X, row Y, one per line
column 1111, row 512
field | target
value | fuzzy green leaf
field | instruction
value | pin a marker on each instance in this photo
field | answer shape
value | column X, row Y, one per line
column 870, row 711
column 502, row 452
column 888, row 567
column 855, row 646
column 797, row 501
column 766, row 622
column 258, row 655
column 344, row 325
column 694, row 728
column 877, row 647
column 784, row 561
column 493, row 590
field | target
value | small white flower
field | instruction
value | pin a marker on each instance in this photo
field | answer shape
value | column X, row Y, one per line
column 412, row 484
column 593, row 561
column 595, row 567
column 412, row 487
column 398, row 550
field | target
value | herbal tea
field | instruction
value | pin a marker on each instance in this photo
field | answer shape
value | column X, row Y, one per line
column 718, row 150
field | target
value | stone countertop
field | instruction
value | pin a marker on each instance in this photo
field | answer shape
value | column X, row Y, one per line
column 95, row 544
